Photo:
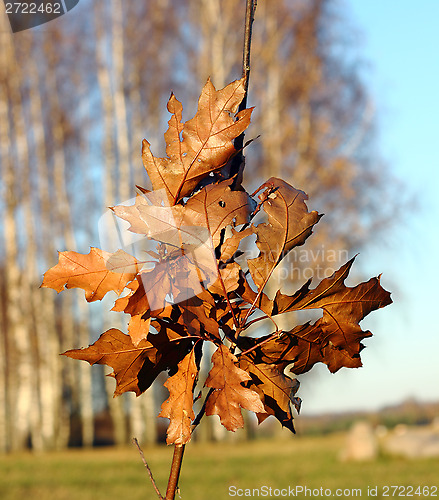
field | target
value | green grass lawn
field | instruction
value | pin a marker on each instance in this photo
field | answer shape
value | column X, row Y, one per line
column 208, row 471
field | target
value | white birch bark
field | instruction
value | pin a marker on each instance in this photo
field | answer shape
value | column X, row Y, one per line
column 3, row 355
column 21, row 389
column 122, row 139
column 139, row 415
column 222, row 24
column 62, row 204
column 5, row 155
column 215, row 32
column 115, row 405
column 48, row 370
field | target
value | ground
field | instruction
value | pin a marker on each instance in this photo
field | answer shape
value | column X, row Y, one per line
column 217, row 471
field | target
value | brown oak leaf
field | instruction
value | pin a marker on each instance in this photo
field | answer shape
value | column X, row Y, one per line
column 276, row 390
column 121, row 303
column 198, row 315
column 216, row 206
column 135, row 367
column 115, row 349
column 335, row 339
column 289, row 225
column 138, row 328
column 229, row 394
column 179, row 406
column 92, row 273
column 206, row 140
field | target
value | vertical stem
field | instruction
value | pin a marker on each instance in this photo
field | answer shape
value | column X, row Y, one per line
column 249, row 18
column 239, row 141
column 175, row 471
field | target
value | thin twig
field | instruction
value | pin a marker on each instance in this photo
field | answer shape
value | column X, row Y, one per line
column 148, row 469
column 249, row 18
column 270, row 337
column 260, row 319
column 239, row 141
column 202, row 410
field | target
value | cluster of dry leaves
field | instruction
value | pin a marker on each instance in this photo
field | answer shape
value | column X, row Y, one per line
column 195, row 289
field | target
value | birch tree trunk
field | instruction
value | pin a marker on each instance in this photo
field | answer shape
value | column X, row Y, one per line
column 222, row 23
column 120, row 109
column 62, row 204
column 46, row 343
column 21, row 381
column 3, row 353
column 115, row 405
column 6, row 155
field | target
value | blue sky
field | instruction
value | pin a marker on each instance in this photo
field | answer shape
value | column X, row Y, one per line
column 401, row 42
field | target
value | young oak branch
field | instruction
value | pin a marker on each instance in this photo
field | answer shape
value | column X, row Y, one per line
column 191, row 284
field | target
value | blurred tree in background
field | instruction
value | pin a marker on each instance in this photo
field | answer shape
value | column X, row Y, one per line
column 78, row 95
